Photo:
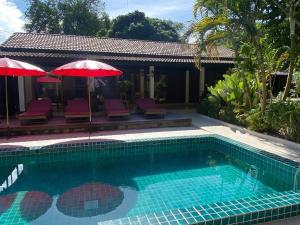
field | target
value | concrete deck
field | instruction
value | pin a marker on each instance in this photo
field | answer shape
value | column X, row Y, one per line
column 201, row 125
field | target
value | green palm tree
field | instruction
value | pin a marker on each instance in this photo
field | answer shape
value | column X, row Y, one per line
column 233, row 22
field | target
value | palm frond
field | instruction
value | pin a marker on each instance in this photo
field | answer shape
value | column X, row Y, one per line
column 209, row 23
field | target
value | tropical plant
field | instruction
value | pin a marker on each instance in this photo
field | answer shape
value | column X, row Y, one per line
column 230, row 91
column 234, row 22
column 281, row 117
column 161, row 88
column 297, row 84
column 125, row 86
column 289, row 9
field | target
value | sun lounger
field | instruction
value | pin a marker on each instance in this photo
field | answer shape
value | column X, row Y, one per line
column 148, row 107
column 115, row 108
column 77, row 109
column 37, row 110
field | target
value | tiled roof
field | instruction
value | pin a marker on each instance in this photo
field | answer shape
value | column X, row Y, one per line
column 111, row 58
column 136, row 50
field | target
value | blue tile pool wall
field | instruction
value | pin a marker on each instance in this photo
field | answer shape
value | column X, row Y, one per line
column 104, row 150
column 244, row 211
column 268, row 167
column 271, row 172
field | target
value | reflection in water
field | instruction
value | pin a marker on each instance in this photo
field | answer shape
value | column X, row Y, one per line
column 54, row 214
column 35, row 204
column 90, row 200
column 12, row 178
column 6, row 201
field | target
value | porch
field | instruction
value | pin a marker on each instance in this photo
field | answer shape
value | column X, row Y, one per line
column 57, row 124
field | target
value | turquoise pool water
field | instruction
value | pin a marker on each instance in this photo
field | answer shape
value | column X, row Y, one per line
column 89, row 190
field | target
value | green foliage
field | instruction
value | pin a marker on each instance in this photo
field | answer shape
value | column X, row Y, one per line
column 276, row 23
column 125, row 86
column 256, row 121
column 165, row 30
column 281, row 117
column 43, row 16
column 87, row 17
column 231, row 90
column 136, row 25
column 160, row 88
column 77, row 17
column 208, row 108
column 105, row 25
column 296, row 79
column 80, row 17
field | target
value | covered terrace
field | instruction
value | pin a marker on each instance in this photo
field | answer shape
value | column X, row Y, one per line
column 163, row 71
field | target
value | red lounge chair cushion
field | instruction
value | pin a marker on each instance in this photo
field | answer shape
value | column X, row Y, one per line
column 33, row 114
column 115, row 107
column 118, row 112
column 37, row 108
column 70, row 112
column 77, row 107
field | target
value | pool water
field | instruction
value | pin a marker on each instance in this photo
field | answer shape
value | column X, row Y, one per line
column 90, row 189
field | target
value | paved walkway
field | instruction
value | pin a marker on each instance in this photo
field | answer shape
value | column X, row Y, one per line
column 202, row 125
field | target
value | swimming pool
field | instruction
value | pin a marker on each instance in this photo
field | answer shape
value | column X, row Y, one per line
column 187, row 180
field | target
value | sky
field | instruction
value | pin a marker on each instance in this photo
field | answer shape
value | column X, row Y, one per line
column 12, row 12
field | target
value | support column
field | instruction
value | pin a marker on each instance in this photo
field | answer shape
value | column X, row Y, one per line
column 21, row 91
column 151, row 82
column 187, row 86
column 201, row 81
column 28, row 89
column 142, row 83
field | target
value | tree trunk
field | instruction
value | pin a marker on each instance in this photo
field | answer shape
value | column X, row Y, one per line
column 245, row 82
column 247, row 92
column 262, row 74
column 292, row 55
column 264, row 92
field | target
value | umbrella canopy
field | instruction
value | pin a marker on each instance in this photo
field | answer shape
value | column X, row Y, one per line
column 45, row 79
column 10, row 67
column 6, row 202
column 87, row 68
column 35, row 204
column 90, row 199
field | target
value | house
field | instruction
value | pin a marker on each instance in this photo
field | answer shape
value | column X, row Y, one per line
column 164, row 70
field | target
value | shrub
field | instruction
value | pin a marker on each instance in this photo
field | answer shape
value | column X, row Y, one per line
column 255, row 120
column 281, row 117
column 227, row 114
column 208, row 108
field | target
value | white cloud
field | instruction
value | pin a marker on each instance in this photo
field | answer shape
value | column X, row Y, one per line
column 11, row 19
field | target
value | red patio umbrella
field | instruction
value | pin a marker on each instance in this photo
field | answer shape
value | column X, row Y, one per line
column 89, row 200
column 87, row 68
column 46, row 79
column 35, row 204
column 10, row 67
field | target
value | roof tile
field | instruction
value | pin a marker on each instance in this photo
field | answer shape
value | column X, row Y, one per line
column 138, row 50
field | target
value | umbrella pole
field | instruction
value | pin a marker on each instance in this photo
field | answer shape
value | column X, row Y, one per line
column 90, row 108
column 6, row 102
